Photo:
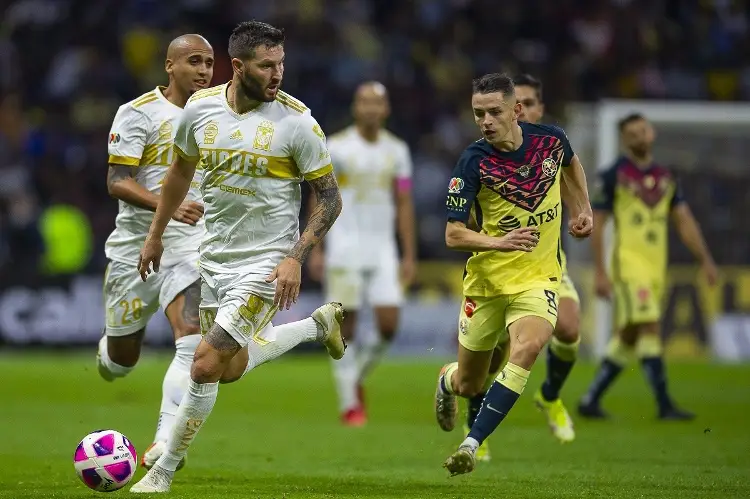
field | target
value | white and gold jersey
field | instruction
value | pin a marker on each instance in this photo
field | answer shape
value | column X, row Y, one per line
column 142, row 137
column 253, row 164
column 369, row 175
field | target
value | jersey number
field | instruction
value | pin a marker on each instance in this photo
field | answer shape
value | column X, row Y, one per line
column 551, row 302
column 135, row 308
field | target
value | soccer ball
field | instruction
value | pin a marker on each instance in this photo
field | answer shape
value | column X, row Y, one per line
column 105, row 460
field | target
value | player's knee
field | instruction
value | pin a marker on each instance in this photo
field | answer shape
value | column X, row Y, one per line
column 525, row 352
column 469, row 387
column 207, row 366
column 567, row 329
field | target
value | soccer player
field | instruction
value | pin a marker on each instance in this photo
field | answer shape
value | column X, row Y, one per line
column 140, row 151
column 515, row 178
column 256, row 144
column 373, row 168
column 640, row 195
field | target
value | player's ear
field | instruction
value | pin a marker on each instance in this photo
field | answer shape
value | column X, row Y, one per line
column 169, row 66
column 237, row 66
column 517, row 110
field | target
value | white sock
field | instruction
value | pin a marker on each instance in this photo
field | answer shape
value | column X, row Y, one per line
column 175, row 384
column 195, row 408
column 370, row 356
column 115, row 369
column 287, row 337
column 346, row 375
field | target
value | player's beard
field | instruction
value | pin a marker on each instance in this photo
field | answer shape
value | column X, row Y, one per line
column 253, row 90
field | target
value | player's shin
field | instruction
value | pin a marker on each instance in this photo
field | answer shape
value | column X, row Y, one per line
column 649, row 350
column 618, row 354
column 346, row 375
column 561, row 357
column 285, row 337
column 175, row 384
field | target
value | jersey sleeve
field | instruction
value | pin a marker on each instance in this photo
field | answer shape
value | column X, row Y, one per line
column 184, row 140
column 568, row 152
column 309, row 149
column 404, row 168
column 463, row 188
column 128, row 136
column 604, row 190
column 678, row 197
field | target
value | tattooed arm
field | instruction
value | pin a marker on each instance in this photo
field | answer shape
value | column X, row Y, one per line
column 325, row 211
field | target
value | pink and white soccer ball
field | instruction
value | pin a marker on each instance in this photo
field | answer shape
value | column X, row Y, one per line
column 105, row 460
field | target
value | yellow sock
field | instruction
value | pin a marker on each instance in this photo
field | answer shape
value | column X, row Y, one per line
column 513, row 377
column 448, row 371
column 564, row 351
column 618, row 352
column 649, row 345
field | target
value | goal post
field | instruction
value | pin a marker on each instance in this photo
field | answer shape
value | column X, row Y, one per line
column 689, row 128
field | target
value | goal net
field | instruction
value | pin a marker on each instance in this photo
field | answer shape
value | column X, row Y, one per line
column 707, row 145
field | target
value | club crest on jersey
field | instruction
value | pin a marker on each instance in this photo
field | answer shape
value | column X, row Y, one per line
column 210, row 133
column 263, row 136
column 165, row 131
column 114, row 138
column 456, row 185
column 549, row 167
column 463, row 326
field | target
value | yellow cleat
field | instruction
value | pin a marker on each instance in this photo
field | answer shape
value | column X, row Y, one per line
column 483, row 452
column 558, row 419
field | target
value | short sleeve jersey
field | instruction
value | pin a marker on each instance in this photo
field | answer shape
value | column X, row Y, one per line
column 253, row 164
column 142, row 137
column 640, row 200
column 510, row 190
column 368, row 174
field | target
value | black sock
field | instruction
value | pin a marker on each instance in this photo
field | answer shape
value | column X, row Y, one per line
column 475, row 403
column 657, row 378
column 606, row 375
column 497, row 403
column 557, row 373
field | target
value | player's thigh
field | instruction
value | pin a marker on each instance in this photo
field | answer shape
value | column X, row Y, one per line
column 344, row 285
column 129, row 301
column 531, row 317
column 181, row 294
column 385, row 294
column 636, row 303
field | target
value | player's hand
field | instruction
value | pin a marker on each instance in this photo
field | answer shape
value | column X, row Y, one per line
column 189, row 212
column 150, row 254
column 582, row 226
column 288, row 277
column 523, row 239
column 316, row 265
column 603, row 285
column 408, row 271
column 711, row 272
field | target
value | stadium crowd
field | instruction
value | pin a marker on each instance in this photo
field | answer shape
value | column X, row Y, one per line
column 66, row 65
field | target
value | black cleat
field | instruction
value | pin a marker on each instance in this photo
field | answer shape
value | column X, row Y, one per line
column 592, row 410
column 675, row 414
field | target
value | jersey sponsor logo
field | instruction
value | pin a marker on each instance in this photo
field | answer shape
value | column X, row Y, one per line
column 456, row 203
column 210, row 133
column 509, row 223
column 238, row 190
column 114, row 138
column 263, row 136
column 237, row 135
column 165, row 131
column 469, row 307
column 456, row 185
column 524, row 185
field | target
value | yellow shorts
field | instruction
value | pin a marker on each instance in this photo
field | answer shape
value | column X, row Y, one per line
column 483, row 322
column 568, row 289
column 637, row 303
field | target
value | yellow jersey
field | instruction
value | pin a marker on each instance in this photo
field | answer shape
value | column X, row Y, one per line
column 509, row 190
column 640, row 200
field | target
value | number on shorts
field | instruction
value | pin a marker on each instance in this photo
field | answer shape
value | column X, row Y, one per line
column 137, row 310
column 207, row 318
column 551, row 302
column 250, row 310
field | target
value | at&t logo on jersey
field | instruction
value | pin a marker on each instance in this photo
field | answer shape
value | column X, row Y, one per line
column 456, row 185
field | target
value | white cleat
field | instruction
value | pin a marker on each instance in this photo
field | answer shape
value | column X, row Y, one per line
column 330, row 316
column 156, row 481
column 154, row 452
column 105, row 373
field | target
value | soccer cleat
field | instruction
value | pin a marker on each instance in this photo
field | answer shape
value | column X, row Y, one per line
column 156, row 481
column 330, row 316
column 105, row 373
column 154, row 452
column 558, row 419
column 462, row 461
column 446, row 406
column 592, row 410
column 675, row 414
column 355, row 417
column 483, row 452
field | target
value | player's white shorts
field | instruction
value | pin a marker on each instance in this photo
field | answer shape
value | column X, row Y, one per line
column 378, row 286
column 130, row 302
column 239, row 303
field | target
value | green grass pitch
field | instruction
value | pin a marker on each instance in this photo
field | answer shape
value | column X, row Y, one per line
column 276, row 434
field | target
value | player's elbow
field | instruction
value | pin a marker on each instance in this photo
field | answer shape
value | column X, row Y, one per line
column 452, row 237
column 114, row 189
